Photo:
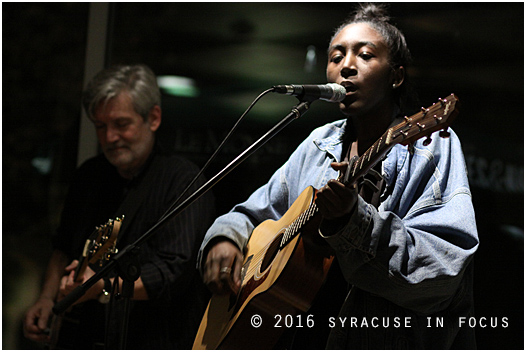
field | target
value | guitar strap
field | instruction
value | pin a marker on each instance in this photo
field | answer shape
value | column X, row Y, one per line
column 138, row 188
column 136, row 193
column 86, row 314
column 372, row 185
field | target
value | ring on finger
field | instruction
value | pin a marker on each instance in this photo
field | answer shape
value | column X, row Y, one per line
column 226, row 270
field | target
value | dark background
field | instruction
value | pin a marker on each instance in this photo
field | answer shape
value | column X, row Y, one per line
column 235, row 51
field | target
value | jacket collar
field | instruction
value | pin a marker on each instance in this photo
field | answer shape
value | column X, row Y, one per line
column 332, row 143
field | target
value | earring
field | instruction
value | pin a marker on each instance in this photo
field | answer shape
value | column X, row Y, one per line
column 394, row 85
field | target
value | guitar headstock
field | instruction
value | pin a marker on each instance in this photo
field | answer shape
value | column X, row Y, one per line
column 104, row 242
column 100, row 245
column 438, row 116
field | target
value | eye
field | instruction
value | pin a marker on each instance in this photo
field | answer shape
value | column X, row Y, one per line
column 336, row 58
column 366, row 55
column 122, row 123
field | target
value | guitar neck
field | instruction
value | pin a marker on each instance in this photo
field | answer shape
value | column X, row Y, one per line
column 436, row 117
column 369, row 159
column 359, row 168
column 81, row 268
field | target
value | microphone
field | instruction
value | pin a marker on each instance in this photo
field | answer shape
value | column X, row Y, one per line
column 331, row 92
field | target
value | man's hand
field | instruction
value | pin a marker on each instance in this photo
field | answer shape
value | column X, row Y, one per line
column 222, row 269
column 37, row 318
column 68, row 283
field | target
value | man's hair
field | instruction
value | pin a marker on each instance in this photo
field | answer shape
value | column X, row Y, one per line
column 138, row 81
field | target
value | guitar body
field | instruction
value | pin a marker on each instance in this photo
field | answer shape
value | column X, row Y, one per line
column 274, row 282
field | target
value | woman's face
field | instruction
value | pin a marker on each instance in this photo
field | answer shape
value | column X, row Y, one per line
column 359, row 60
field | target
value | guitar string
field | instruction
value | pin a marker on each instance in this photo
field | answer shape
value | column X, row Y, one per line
column 295, row 227
column 260, row 255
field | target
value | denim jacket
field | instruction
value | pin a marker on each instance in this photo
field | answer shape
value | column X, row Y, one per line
column 409, row 257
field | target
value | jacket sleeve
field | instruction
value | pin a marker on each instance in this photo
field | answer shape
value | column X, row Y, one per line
column 414, row 249
column 269, row 202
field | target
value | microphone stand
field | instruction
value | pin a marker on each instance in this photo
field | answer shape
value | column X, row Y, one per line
column 126, row 260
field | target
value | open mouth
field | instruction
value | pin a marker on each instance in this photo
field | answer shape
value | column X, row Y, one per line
column 349, row 86
column 350, row 89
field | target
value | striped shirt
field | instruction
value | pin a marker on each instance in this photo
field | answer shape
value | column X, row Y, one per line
column 177, row 297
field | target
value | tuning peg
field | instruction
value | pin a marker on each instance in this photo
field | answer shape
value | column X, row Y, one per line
column 428, row 141
column 424, row 111
column 444, row 133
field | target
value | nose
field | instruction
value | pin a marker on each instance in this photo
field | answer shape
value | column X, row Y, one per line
column 348, row 68
column 112, row 135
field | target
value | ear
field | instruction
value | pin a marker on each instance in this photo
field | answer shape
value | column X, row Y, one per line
column 154, row 118
column 397, row 76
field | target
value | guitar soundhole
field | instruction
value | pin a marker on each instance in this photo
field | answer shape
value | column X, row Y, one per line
column 271, row 253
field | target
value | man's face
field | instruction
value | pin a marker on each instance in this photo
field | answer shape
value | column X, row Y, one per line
column 126, row 139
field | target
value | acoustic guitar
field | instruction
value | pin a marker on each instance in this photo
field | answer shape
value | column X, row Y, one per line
column 98, row 248
column 286, row 261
